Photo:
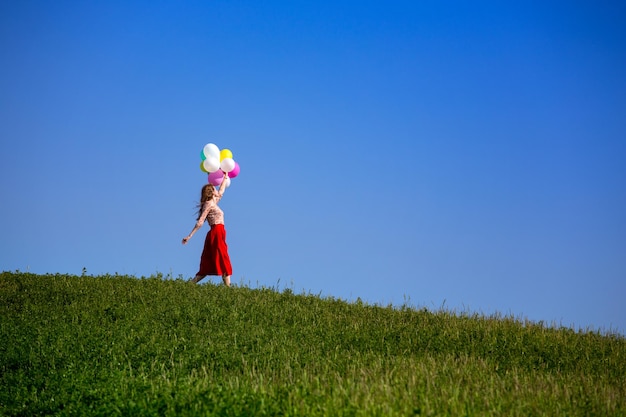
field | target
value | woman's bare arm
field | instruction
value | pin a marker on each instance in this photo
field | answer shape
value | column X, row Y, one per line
column 220, row 192
column 200, row 222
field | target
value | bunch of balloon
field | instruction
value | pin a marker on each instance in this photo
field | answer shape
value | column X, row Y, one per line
column 216, row 162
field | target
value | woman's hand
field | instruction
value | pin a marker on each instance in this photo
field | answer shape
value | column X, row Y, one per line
column 185, row 240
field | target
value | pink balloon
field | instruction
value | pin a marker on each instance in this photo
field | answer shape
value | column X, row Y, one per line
column 216, row 177
column 234, row 172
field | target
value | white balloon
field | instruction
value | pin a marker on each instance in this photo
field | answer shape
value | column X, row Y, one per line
column 211, row 151
column 228, row 164
column 226, row 182
column 211, row 164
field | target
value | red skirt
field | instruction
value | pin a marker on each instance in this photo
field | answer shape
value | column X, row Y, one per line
column 215, row 259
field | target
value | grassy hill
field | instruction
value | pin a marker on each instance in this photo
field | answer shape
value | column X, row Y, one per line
column 118, row 345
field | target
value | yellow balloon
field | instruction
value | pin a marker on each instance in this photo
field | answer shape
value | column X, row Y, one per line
column 225, row 153
column 202, row 167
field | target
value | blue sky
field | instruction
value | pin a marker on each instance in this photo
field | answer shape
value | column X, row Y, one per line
column 470, row 155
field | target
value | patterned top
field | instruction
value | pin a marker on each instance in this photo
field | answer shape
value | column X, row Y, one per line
column 211, row 212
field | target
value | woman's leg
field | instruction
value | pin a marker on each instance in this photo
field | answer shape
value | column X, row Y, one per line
column 197, row 279
column 226, row 279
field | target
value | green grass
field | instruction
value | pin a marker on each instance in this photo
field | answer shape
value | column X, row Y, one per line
column 118, row 345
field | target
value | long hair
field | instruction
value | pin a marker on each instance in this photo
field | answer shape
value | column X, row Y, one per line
column 206, row 194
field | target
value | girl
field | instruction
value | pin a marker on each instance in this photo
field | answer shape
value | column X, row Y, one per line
column 214, row 259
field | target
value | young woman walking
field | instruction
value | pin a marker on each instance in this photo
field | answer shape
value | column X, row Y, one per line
column 214, row 259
